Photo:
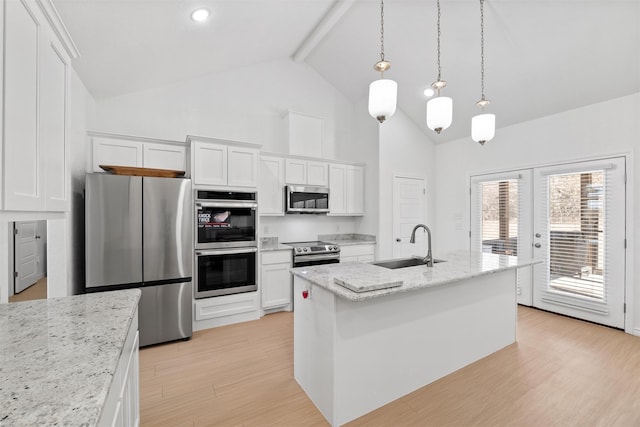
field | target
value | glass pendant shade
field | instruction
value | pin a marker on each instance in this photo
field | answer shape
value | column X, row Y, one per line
column 483, row 128
column 383, row 95
column 439, row 113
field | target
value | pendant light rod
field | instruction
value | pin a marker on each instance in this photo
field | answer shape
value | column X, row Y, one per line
column 483, row 101
column 439, row 68
column 382, row 65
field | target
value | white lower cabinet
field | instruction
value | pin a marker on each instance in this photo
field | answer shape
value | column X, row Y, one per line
column 357, row 253
column 122, row 406
column 275, row 280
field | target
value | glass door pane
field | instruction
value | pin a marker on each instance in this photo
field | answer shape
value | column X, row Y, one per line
column 501, row 220
column 579, row 220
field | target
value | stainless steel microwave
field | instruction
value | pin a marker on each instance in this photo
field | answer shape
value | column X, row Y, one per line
column 302, row 199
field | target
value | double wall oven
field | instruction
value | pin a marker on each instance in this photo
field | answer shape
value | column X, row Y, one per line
column 225, row 244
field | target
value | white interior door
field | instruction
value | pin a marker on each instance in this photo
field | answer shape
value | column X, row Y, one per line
column 409, row 209
column 579, row 233
column 26, row 255
column 501, row 220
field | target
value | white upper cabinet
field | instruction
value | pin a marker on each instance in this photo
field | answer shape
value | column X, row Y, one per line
column 163, row 156
column 317, row 173
column 119, row 150
column 220, row 163
column 306, row 172
column 242, row 167
column 271, row 199
column 116, row 152
column 209, row 163
column 337, row 189
column 36, row 63
column 355, row 190
column 346, row 186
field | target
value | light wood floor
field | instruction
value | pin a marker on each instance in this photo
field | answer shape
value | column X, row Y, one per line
column 35, row 291
column 561, row 372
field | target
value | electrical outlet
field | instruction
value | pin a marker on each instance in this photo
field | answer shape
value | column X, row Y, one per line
column 266, row 229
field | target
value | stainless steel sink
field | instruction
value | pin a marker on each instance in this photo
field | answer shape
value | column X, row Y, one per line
column 404, row 262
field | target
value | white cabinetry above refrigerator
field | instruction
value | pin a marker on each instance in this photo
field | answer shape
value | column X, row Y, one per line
column 119, row 150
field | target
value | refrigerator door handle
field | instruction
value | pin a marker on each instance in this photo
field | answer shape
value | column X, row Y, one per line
column 226, row 251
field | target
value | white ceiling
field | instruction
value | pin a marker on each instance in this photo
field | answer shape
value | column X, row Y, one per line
column 542, row 57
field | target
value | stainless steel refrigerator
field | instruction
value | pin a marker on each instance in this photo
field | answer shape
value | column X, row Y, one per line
column 139, row 235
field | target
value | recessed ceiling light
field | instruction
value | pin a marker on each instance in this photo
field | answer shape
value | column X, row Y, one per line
column 200, row 15
column 428, row 92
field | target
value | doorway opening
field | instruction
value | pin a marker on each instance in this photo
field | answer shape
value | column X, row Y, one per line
column 29, row 261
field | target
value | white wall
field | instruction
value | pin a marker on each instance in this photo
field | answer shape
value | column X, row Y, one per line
column 603, row 129
column 246, row 104
column 81, row 106
column 404, row 150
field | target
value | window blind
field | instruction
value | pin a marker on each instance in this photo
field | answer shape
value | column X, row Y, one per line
column 575, row 210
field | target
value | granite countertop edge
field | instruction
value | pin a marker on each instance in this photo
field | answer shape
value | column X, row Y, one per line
column 81, row 339
column 321, row 275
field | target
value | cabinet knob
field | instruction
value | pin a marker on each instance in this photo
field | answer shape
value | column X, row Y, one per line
column 305, row 294
column 398, row 240
column 537, row 245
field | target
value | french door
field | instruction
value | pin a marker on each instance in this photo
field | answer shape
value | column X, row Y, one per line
column 572, row 218
column 579, row 234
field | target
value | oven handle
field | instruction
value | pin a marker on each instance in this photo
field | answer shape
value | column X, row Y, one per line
column 301, row 258
column 226, row 251
column 225, row 204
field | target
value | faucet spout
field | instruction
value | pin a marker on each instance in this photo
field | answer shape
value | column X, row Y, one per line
column 429, row 258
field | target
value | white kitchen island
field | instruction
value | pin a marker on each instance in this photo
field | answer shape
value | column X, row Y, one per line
column 357, row 351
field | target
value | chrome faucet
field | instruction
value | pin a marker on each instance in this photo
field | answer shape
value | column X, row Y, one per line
column 429, row 258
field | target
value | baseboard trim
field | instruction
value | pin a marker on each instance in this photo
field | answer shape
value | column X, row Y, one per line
column 636, row 332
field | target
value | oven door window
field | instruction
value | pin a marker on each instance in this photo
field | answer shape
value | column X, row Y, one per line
column 221, row 274
column 217, row 225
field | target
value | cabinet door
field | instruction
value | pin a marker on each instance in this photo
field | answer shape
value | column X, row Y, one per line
column 209, row 164
column 22, row 155
column 355, row 190
column 317, row 173
column 337, row 189
column 296, row 171
column 116, row 152
column 163, row 156
column 242, row 167
column 276, row 285
column 271, row 198
column 53, row 89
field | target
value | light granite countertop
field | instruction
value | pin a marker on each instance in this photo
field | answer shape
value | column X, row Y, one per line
column 459, row 265
column 348, row 239
column 58, row 356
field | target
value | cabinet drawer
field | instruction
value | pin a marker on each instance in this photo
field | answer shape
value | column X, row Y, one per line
column 276, row 257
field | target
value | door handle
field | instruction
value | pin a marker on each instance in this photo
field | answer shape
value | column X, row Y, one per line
column 398, row 240
column 537, row 245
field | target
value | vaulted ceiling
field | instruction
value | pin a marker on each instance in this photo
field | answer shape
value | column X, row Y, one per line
column 542, row 56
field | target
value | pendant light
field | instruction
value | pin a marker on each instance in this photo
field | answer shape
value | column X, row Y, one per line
column 483, row 126
column 383, row 93
column 439, row 109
